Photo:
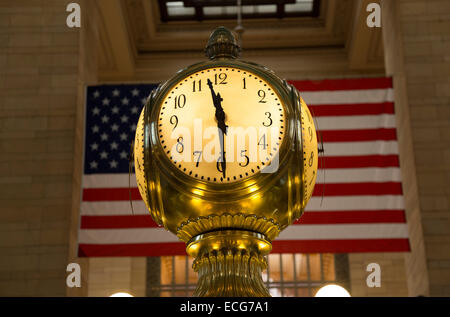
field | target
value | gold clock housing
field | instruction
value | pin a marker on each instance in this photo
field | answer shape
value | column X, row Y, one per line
column 227, row 220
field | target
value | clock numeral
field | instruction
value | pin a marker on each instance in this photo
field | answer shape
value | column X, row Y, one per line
column 180, row 101
column 199, row 85
column 180, row 145
column 269, row 116
column 245, row 87
column 311, row 159
column 262, row 95
column 199, row 153
column 247, row 159
column 220, row 79
column 310, row 134
column 174, row 121
column 262, row 142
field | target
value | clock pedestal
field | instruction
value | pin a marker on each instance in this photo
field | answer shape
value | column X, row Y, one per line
column 229, row 263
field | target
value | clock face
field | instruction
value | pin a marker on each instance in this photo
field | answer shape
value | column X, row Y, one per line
column 222, row 125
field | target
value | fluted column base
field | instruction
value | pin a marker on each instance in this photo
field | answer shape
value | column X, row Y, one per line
column 230, row 263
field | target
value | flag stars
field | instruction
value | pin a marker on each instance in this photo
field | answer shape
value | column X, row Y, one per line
column 133, row 127
column 96, row 94
column 114, row 146
column 93, row 165
column 144, row 101
column 95, row 111
column 135, row 92
column 115, row 110
column 123, row 137
column 123, row 155
column 95, row 129
column 104, row 155
column 105, row 119
column 115, row 127
column 125, row 101
column 116, row 93
column 113, row 164
column 104, row 137
column 124, row 119
column 134, row 109
column 106, row 102
column 94, row 147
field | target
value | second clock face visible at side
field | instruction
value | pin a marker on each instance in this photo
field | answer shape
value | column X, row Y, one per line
column 222, row 125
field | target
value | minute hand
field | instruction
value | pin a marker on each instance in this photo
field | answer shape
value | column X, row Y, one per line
column 220, row 117
column 220, row 114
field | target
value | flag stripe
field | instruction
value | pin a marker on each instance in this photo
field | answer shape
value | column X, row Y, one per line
column 358, row 135
column 328, row 189
column 340, row 246
column 352, row 109
column 297, row 232
column 308, row 218
column 333, row 175
column 331, row 203
column 348, row 96
column 342, row 84
column 356, row 122
column 359, row 161
column 278, row 246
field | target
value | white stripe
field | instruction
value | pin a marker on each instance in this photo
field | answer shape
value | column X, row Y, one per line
column 358, row 175
column 112, row 236
column 104, row 208
column 360, row 148
column 356, row 122
column 108, row 181
column 315, row 204
column 348, row 96
column 344, row 203
column 296, row 232
column 347, row 231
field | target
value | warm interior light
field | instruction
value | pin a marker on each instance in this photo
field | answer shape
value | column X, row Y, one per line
column 332, row 290
column 121, row 294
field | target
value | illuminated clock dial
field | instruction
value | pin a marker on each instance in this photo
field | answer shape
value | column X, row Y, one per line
column 221, row 125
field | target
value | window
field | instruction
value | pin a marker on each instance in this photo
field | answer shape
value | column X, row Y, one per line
column 286, row 275
column 199, row 10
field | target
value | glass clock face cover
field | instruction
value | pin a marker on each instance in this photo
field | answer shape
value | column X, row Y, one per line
column 222, row 125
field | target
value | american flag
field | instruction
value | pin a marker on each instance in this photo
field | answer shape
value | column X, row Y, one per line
column 357, row 204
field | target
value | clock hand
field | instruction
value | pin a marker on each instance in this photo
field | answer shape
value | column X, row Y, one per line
column 220, row 117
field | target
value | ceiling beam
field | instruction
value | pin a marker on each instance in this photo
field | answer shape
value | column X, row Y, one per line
column 122, row 49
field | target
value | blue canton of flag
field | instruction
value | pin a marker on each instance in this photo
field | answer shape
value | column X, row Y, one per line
column 112, row 113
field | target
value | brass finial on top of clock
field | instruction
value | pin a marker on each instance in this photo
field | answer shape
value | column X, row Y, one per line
column 226, row 200
column 222, row 43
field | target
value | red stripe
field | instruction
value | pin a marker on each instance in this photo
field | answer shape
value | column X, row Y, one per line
column 279, row 246
column 339, row 189
column 357, row 189
column 359, row 161
column 354, row 217
column 356, row 135
column 132, row 249
column 308, row 218
column 340, row 246
column 352, row 109
column 342, row 84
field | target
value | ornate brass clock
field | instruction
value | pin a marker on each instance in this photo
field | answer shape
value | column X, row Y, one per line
column 225, row 158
